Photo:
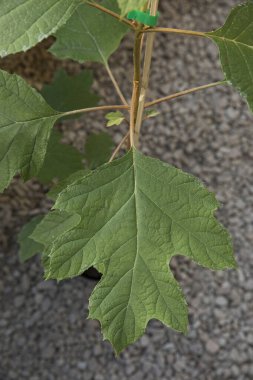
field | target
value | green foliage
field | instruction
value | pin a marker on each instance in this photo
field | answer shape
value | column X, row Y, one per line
column 83, row 38
column 96, row 157
column 57, row 189
column 61, row 160
column 70, row 92
column 114, row 118
column 235, row 42
column 29, row 247
column 25, row 127
column 25, row 23
column 129, row 5
column 139, row 212
column 129, row 217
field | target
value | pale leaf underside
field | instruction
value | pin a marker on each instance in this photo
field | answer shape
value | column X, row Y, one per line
column 89, row 35
column 23, row 23
column 136, row 214
column 26, row 122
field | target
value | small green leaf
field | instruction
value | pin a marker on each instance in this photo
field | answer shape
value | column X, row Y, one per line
column 114, row 118
column 67, row 93
column 235, row 42
column 28, row 247
column 26, row 121
column 98, row 149
column 90, row 35
column 61, row 160
column 136, row 214
column 129, row 5
column 54, row 192
column 151, row 113
column 24, row 22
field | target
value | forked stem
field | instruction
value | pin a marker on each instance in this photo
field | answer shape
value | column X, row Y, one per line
column 146, row 74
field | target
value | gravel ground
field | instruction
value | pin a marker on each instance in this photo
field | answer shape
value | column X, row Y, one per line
column 43, row 329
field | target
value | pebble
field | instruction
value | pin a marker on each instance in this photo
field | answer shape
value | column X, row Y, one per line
column 212, row 347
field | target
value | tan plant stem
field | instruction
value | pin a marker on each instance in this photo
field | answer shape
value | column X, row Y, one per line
column 136, row 84
column 119, row 146
column 111, row 13
column 145, row 77
column 94, row 109
column 116, row 86
column 182, row 93
column 178, row 31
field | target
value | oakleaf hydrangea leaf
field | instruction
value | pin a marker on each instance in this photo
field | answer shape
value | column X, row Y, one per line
column 26, row 22
column 70, row 92
column 90, row 35
column 29, row 247
column 114, row 118
column 136, row 214
column 59, row 187
column 26, row 121
column 61, row 160
column 235, row 42
column 129, row 5
column 98, row 149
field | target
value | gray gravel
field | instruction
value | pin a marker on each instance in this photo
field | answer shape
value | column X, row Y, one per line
column 44, row 333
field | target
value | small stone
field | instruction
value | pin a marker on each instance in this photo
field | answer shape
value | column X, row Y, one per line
column 221, row 301
column 81, row 365
column 145, row 341
column 212, row 347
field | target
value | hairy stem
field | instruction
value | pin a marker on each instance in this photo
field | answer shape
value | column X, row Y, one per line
column 94, row 109
column 145, row 77
column 136, row 85
column 111, row 13
column 178, row 31
column 119, row 146
column 182, row 93
column 116, row 86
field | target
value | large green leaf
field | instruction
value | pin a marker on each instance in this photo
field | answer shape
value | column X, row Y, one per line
column 25, row 127
column 136, row 214
column 23, row 23
column 70, row 92
column 235, row 42
column 129, row 5
column 29, row 247
column 61, row 160
column 90, row 35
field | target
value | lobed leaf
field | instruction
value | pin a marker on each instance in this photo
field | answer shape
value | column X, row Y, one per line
column 98, row 149
column 29, row 247
column 26, row 121
column 235, row 43
column 70, row 92
column 136, row 214
column 24, row 23
column 61, row 160
column 90, row 35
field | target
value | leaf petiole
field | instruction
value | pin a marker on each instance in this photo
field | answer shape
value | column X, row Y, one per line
column 94, row 109
column 185, row 92
column 177, row 31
